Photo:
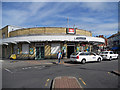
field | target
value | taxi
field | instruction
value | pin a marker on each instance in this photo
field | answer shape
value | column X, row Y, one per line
column 84, row 57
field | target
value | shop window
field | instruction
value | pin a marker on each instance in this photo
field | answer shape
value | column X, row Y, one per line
column 15, row 49
column 3, row 35
column 55, row 48
column 25, row 48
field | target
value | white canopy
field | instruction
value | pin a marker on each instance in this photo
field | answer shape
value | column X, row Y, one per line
column 37, row 38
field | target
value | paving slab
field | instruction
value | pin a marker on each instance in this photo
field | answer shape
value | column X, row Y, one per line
column 66, row 82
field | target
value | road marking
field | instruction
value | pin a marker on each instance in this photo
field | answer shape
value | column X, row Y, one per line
column 108, row 72
column 25, row 68
column 47, row 82
column 82, row 81
column 35, row 67
column 29, row 67
column 8, row 70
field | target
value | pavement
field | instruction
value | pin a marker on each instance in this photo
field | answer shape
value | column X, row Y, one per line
column 24, row 63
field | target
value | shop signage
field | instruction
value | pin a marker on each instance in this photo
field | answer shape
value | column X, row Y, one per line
column 71, row 31
column 31, row 50
column 39, row 44
column 78, row 49
column 83, row 38
column 83, row 44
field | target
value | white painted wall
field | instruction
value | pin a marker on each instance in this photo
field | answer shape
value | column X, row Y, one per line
column 13, row 28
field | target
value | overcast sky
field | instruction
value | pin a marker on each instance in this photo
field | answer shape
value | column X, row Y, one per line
column 97, row 17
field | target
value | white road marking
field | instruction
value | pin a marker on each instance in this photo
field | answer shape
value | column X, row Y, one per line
column 1, row 60
column 8, row 70
column 29, row 67
column 25, row 68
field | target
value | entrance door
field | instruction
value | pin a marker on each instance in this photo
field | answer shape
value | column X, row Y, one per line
column 39, row 53
column 70, row 50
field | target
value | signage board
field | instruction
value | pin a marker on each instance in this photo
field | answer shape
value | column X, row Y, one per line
column 31, row 50
column 39, row 44
column 71, row 31
column 82, row 38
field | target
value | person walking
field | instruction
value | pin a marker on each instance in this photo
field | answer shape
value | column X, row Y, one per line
column 59, row 55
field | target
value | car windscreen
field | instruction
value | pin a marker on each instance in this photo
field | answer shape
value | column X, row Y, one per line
column 104, row 53
column 75, row 53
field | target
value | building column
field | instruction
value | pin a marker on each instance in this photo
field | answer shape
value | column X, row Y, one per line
column 65, row 45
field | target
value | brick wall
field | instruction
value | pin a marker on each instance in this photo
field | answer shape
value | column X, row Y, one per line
column 46, row 31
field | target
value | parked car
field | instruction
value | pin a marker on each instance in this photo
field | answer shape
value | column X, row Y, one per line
column 84, row 57
column 108, row 55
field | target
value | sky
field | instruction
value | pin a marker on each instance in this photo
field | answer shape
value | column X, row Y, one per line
column 101, row 18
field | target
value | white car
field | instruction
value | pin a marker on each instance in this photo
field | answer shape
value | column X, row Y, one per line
column 108, row 55
column 84, row 57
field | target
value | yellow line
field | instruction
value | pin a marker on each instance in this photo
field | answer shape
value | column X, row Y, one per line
column 82, row 81
column 108, row 72
column 47, row 82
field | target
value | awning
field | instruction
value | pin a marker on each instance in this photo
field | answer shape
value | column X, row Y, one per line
column 37, row 38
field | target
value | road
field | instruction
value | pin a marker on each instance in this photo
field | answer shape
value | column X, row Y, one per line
column 89, row 75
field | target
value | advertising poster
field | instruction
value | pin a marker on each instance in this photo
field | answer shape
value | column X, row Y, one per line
column 31, row 50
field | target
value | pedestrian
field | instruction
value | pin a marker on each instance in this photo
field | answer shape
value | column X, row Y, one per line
column 59, row 55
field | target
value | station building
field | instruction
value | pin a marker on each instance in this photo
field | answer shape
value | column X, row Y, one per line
column 44, row 42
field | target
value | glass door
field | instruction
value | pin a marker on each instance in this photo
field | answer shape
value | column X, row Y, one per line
column 39, row 53
column 42, row 52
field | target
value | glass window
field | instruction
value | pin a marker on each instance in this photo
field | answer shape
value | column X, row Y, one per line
column 91, row 53
column 76, row 53
column 3, row 35
column 104, row 52
column 82, row 54
column 55, row 48
column 15, row 49
column 111, row 52
column 87, row 53
column 25, row 48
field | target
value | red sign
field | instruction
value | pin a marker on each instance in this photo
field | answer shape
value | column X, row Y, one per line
column 71, row 30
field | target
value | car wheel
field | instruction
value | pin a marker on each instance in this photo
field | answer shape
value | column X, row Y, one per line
column 110, row 58
column 83, row 61
column 99, row 60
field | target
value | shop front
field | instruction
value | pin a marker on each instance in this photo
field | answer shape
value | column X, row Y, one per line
column 47, row 46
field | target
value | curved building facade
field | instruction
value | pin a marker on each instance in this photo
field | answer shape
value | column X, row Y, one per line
column 44, row 42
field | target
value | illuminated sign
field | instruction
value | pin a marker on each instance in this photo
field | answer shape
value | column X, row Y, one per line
column 71, row 31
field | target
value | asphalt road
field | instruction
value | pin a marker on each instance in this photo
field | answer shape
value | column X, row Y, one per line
column 89, row 75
